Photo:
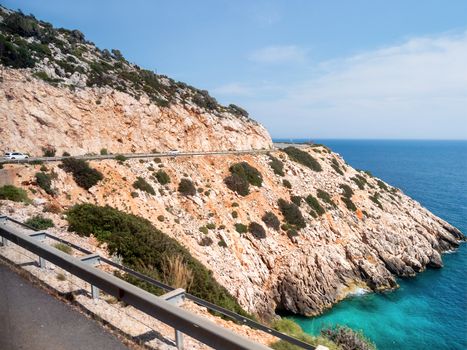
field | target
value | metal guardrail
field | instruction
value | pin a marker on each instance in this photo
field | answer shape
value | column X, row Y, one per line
column 189, row 324
column 132, row 155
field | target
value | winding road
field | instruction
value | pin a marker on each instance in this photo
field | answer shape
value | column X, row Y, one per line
column 31, row 319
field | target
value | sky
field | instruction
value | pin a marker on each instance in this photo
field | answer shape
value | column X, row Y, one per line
column 313, row 69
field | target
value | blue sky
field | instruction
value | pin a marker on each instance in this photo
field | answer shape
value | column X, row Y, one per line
column 317, row 69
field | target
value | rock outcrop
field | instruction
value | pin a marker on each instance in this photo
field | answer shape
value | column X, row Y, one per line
column 35, row 114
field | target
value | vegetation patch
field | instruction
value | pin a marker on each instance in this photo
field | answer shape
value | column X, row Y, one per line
column 382, row 185
column 246, row 171
column 146, row 249
column 186, row 187
column 44, row 181
column 271, row 220
column 349, row 204
column 63, row 247
column 162, row 177
column 297, row 200
column 335, row 165
column 276, row 165
column 291, row 328
column 315, row 205
column 325, row 197
column 240, row 228
column 13, row 193
column 38, row 222
column 237, row 184
column 143, row 185
column 257, row 230
column 292, row 214
column 287, row 184
column 375, row 199
column 83, row 174
column 303, row 158
column 347, row 191
column 359, row 180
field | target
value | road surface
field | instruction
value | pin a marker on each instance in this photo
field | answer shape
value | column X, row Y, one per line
column 31, row 319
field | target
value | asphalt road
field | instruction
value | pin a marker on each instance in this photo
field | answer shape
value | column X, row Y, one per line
column 31, row 319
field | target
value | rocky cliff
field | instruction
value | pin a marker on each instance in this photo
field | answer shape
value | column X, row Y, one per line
column 345, row 229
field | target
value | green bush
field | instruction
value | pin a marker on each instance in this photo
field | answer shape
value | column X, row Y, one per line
column 336, row 167
column 247, row 172
column 303, row 158
column 359, row 180
column 143, row 185
column 121, row 158
column 204, row 229
column 325, row 197
column 291, row 328
column 104, row 152
column 162, row 177
column 292, row 214
column 315, row 205
column 44, row 181
column 375, row 199
column 348, row 192
column 63, row 247
column 38, row 222
column 161, row 218
column 271, row 220
column 240, row 228
column 83, row 174
column 186, row 187
column 287, row 184
column 297, row 200
column 15, row 55
column 347, row 338
column 211, row 226
column 382, row 185
column 146, row 249
column 14, row 194
column 66, row 154
column 234, row 214
column 237, row 184
column 257, row 230
column 276, row 165
column 348, row 203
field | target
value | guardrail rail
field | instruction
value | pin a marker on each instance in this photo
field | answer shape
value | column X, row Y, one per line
column 163, row 308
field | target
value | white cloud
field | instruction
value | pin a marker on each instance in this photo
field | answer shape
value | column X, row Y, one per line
column 417, row 89
column 279, row 54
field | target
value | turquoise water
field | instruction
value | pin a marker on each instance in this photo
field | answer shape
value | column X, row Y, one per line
column 429, row 311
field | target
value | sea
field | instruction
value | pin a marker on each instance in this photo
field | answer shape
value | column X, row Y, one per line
column 428, row 311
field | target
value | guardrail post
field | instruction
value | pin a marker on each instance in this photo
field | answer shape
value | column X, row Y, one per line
column 41, row 237
column 3, row 220
column 179, row 340
column 176, row 296
column 92, row 259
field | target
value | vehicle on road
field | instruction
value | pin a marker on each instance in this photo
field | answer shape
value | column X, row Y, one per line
column 15, row 155
column 174, row 152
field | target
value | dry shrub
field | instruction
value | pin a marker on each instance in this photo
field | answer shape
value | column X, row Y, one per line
column 177, row 273
column 51, row 207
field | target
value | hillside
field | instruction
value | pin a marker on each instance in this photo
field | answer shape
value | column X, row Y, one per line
column 296, row 230
column 59, row 90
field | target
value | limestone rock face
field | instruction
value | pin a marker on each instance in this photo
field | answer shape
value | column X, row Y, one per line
column 35, row 114
column 386, row 236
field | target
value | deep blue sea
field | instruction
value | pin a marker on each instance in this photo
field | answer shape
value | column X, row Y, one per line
column 430, row 310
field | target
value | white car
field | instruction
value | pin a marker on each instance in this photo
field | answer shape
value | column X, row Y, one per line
column 174, row 152
column 15, row 155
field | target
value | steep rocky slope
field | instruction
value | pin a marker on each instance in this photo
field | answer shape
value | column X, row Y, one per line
column 60, row 91
column 385, row 235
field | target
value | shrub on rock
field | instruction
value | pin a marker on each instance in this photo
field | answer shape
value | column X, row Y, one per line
column 83, row 174
column 257, row 230
column 186, row 187
column 271, row 220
